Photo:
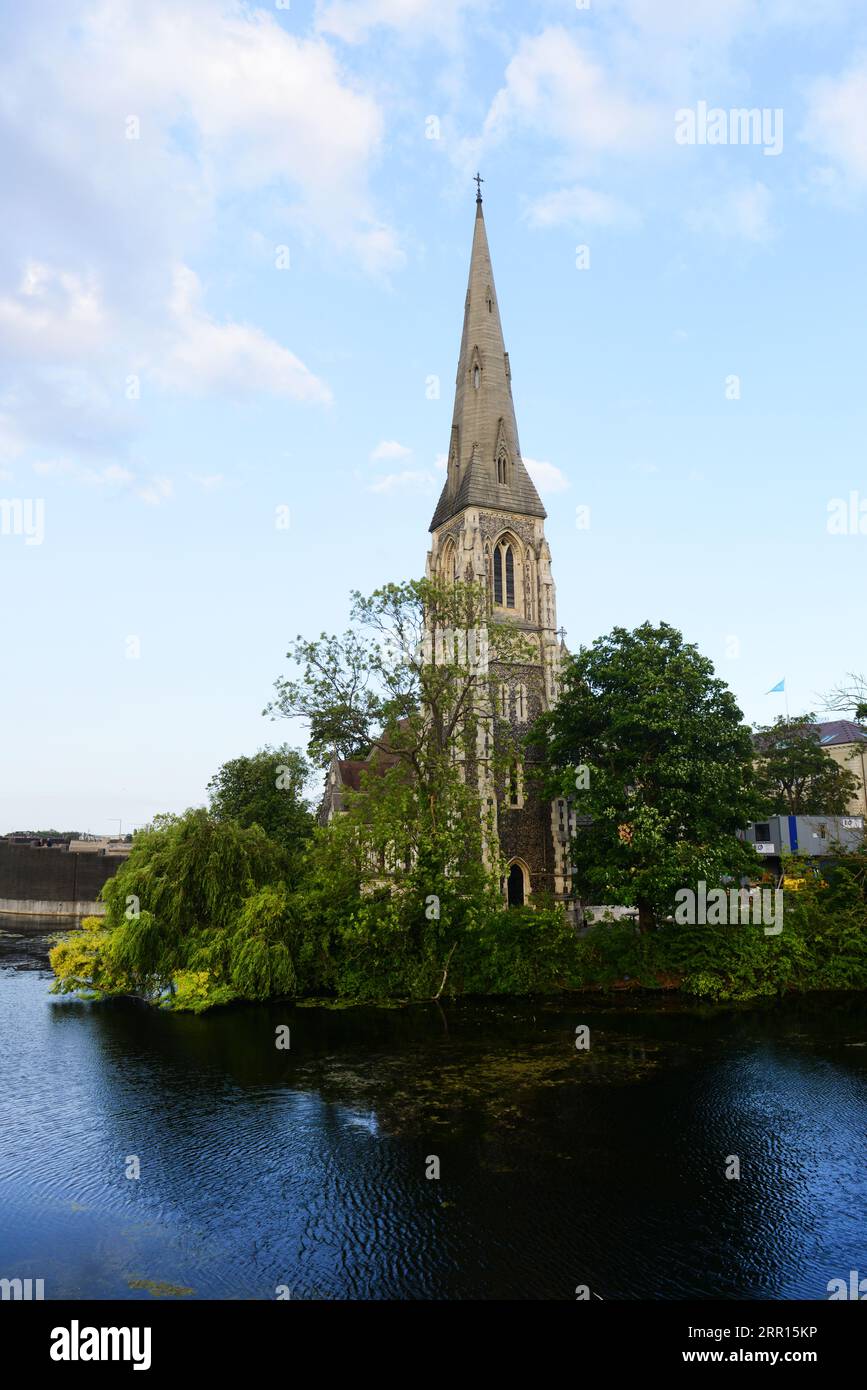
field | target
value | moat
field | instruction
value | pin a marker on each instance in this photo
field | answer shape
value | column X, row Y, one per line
column 306, row 1168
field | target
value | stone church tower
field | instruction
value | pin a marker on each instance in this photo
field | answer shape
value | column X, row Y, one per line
column 489, row 527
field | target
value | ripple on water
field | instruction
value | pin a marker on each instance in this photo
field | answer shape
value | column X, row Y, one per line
column 308, row 1168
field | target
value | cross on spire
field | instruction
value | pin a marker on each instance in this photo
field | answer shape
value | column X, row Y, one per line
column 478, row 181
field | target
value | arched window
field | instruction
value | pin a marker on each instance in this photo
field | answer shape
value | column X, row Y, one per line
column 501, row 469
column 504, row 575
column 448, row 562
column 518, row 884
column 516, row 785
column 477, row 376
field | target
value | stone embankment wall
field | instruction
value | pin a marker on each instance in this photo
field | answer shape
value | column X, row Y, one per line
column 52, row 882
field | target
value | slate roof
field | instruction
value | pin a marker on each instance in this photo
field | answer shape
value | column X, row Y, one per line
column 832, row 731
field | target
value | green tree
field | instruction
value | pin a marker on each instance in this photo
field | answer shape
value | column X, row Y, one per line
column 408, row 678
column 795, row 776
column 266, row 789
column 185, row 912
column 412, row 862
column 652, row 750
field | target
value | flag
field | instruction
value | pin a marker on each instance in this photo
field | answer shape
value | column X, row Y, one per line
column 780, row 685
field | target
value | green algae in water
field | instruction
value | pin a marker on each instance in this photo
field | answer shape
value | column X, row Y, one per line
column 423, row 1089
column 160, row 1290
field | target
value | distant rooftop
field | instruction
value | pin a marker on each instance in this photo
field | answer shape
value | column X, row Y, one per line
column 841, row 731
column 830, row 732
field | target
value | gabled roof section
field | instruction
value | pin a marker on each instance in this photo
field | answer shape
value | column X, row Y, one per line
column 836, row 731
column 484, row 415
column 829, row 733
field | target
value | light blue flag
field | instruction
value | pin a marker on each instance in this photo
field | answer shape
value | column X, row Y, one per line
column 780, row 685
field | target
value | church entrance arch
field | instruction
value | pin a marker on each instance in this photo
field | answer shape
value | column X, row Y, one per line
column 517, row 884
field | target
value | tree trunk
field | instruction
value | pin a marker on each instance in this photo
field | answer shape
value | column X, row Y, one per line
column 646, row 918
column 445, row 973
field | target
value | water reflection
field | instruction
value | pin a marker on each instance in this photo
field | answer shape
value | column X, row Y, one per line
column 262, row 1167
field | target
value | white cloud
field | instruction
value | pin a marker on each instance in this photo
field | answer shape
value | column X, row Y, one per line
column 227, row 100
column 688, row 20
column 579, row 206
column 352, row 20
column 743, row 213
column 231, row 358
column 208, row 482
column 79, row 473
column 836, row 121
column 156, row 490
column 555, row 87
column 231, row 109
column 389, row 449
column 441, row 462
column 547, row 476
column 113, row 477
column 11, row 442
column 54, row 314
column 409, row 480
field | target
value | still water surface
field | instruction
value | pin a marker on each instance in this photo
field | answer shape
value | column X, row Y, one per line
column 306, row 1168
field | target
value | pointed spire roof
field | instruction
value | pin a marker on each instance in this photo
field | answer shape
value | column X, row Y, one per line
column 484, row 428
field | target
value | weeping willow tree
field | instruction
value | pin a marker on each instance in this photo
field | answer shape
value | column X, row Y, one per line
column 198, row 915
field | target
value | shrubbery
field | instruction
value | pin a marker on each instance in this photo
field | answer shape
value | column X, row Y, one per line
column 823, row 946
column 399, row 896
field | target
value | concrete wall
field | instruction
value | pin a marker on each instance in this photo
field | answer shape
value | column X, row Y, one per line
column 30, row 907
column 52, row 882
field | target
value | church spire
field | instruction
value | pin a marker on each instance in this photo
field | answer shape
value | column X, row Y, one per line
column 485, row 468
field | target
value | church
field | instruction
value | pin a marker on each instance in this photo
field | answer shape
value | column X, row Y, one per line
column 489, row 528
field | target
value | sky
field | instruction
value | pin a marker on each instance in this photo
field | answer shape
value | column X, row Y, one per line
column 232, row 271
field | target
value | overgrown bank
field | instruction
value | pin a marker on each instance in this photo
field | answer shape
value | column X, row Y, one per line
column 400, row 895
column 226, row 923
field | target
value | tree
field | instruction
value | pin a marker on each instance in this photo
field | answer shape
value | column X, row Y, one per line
column 407, row 684
column 651, row 748
column 849, row 696
column 266, row 789
column 188, row 913
column 794, row 774
column 407, row 678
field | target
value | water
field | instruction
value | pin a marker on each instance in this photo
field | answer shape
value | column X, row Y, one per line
column 306, row 1169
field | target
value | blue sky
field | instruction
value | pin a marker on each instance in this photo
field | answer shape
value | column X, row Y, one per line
column 234, row 256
